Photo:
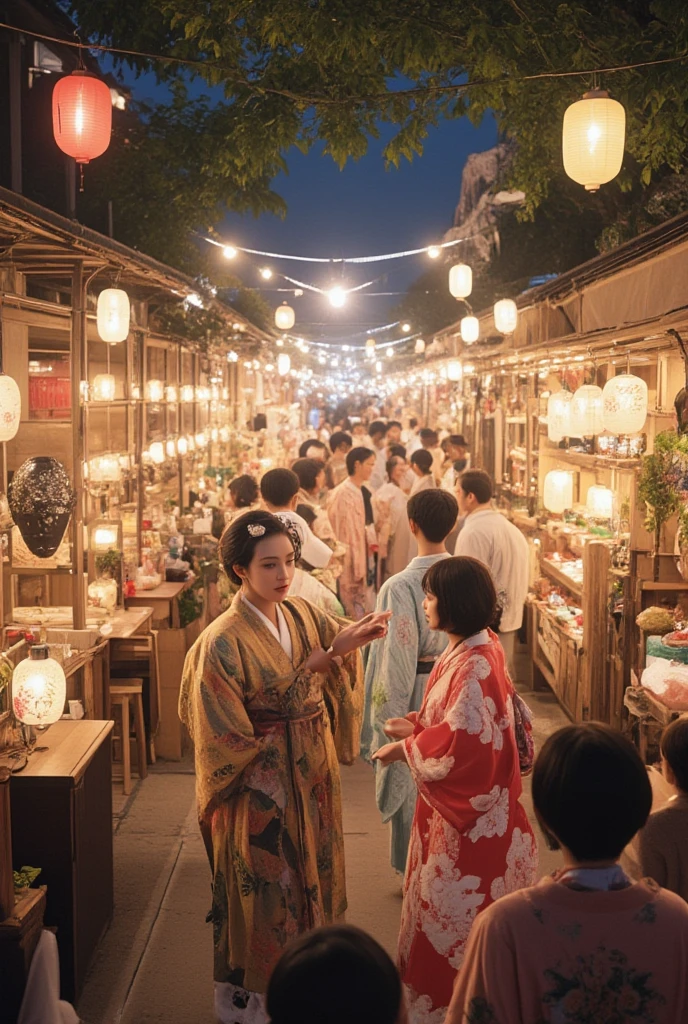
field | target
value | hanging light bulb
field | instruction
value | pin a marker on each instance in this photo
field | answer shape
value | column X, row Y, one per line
column 113, row 313
column 103, row 387
column 266, row 273
column 460, row 280
column 39, row 689
column 419, row 347
column 586, row 411
column 187, row 393
column 82, row 116
column 157, row 452
column 593, row 139
column 454, row 370
column 232, row 357
column 406, row 327
column 337, row 296
column 505, row 316
column 433, row 251
column 283, row 364
column 558, row 491
column 154, row 390
column 624, row 404
column 285, row 317
column 229, row 252
column 470, row 329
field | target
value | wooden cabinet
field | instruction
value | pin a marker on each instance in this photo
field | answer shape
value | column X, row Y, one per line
column 62, row 822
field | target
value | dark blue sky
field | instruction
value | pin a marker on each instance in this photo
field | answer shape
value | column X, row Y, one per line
column 361, row 210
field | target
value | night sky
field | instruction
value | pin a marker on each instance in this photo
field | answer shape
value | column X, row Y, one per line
column 361, row 210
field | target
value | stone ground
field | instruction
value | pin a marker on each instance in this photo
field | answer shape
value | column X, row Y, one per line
column 154, row 965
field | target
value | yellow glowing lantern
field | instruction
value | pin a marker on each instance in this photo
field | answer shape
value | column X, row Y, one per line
column 155, row 389
column 419, row 347
column 182, row 446
column 112, row 315
column 505, row 316
column 470, row 329
column 593, row 139
column 39, row 689
column 624, row 404
column 454, row 370
column 559, row 415
column 460, row 280
column 170, row 448
column 187, row 393
column 157, row 452
column 600, row 502
column 558, row 493
column 283, row 364
column 171, row 393
column 285, row 317
column 104, row 534
column 105, row 468
column 586, row 411
column 104, row 387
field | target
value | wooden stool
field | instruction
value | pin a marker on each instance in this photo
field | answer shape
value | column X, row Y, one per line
column 121, row 696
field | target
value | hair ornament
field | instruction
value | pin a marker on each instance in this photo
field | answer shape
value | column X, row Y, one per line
column 256, row 529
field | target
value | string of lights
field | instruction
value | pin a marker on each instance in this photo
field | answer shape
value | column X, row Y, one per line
column 231, row 250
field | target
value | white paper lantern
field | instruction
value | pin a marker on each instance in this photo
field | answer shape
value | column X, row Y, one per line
column 460, row 280
column 419, row 347
column 200, row 439
column 182, row 446
column 155, row 390
column 505, row 316
column 559, row 415
column 157, row 452
column 454, row 370
column 171, row 393
column 283, row 364
column 170, row 449
column 103, row 387
column 112, row 315
column 105, row 468
column 39, row 689
column 600, row 502
column 558, row 493
column 586, row 411
column 593, row 139
column 285, row 317
column 10, row 407
column 187, row 393
column 624, row 404
column 202, row 393
column 470, row 329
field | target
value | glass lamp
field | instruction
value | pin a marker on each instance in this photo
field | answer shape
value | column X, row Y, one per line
column 558, row 491
column 39, row 689
column 586, row 411
column 105, row 534
column 624, row 404
column 105, row 468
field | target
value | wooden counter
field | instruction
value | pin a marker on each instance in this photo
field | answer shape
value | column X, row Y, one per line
column 163, row 600
column 62, row 822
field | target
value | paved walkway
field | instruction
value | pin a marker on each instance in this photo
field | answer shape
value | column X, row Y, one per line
column 155, row 963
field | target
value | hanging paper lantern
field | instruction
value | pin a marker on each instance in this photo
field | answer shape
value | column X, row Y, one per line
column 202, row 394
column 558, row 493
column 470, row 329
column 285, row 317
column 39, row 689
column 187, row 393
column 559, row 415
column 155, row 389
column 600, row 502
column 82, row 116
column 460, row 280
column 505, row 316
column 419, row 348
column 41, row 500
column 113, row 312
column 10, row 407
column 454, row 370
column 170, row 393
column 170, row 449
column 105, row 469
column 200, row 439
column 157, row 452
column 283, row 364
column 586, row 411
column 593, row 139
column 104, row 387
column 182, row 446
column 624, row 404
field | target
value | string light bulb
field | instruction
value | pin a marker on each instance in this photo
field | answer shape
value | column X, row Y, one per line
column 406, row 327
column 266, row 273
column 229, row 252
column 433, row 251
column 337, row 296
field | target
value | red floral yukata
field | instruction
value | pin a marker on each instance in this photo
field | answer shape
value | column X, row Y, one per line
column 471, row 841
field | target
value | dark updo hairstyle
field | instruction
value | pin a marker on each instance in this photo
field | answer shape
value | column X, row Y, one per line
column 591, row 791
column 423, row 459
column 244, row 491
column 334, row 975
column 466, row 597
column 238, row 545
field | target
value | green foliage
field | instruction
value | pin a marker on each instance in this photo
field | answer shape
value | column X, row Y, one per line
column 295, row 72
column 190, row 604
column 656, row 485
column 25, row 877
column 109, row 563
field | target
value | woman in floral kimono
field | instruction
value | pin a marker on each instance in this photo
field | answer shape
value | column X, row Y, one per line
column 272, row 696
column 470, row 841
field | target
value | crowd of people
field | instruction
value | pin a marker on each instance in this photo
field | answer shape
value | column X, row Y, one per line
column 379, row 594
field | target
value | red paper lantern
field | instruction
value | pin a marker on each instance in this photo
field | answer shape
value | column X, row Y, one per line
column 82, row 116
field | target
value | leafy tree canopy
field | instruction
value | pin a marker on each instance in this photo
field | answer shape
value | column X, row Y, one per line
column 298, row 71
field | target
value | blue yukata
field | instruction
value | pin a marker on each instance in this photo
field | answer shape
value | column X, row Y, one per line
column 394, row 687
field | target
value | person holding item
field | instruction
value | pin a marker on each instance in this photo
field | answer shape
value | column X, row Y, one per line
column 400, row 664
column 585, row 944
column 471, row 841
column 271, row 695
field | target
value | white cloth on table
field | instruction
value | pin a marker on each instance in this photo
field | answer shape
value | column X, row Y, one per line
column 489, row 536
column 41, row 1003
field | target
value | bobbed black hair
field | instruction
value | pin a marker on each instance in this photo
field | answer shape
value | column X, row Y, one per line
column 434, row 512
column 674, row 746
column 312, row 442
column 238, row 544
column 244, row 490
column 357, row 455
column 377, row 428
column 279, row 486
column 423, row 459
column 466, row 597
column 396, row 449
column 334, row 975
column 338, row 438
column 591, row 791
column 307, row 470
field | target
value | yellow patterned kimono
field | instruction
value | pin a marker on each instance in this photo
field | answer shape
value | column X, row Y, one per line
column 268, row 736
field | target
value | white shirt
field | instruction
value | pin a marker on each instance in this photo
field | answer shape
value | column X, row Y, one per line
column 489, row 536
column 281, row 635
column 379, row 474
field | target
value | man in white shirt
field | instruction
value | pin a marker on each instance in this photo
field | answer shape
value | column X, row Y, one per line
column 377, row 431
column 489, row 536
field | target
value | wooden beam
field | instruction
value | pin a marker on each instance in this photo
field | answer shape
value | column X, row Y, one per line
column 6, row 875
column 78, row 342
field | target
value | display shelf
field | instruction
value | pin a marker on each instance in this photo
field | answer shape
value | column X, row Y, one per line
column 554, row 573
column 651, row 585
column 589, row 461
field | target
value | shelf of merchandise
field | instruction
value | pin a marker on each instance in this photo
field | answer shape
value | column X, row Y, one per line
column 586, row 461
column 550, row 569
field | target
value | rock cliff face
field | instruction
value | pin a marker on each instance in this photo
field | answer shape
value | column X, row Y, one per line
column 479, row 209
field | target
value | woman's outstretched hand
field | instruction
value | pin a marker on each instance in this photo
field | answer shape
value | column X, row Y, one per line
column 398, row 728
column 370, row 628
column 389, row 753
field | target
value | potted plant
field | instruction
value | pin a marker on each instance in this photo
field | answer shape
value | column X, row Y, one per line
column 662, row 486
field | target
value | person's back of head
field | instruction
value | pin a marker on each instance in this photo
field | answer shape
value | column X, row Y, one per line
column 428, row 437
column 335, row 975
column 423, row 459
column 340, row 441
column 673, row 747
column 434, row 512
column 308, row 471
column 591, row 791
column 313, row 442
column 396, row 451
column 244, row 491
column 376, row 430
column 278, row 487
column 478, row 483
